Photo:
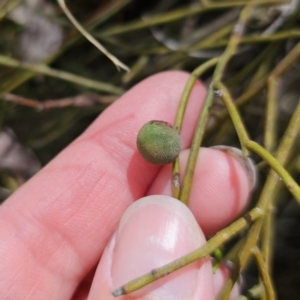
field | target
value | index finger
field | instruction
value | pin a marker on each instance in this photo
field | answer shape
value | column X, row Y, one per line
column 54, row 228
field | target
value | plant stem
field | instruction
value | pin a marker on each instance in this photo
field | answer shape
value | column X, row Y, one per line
column 234, row 115
column 257, row 39
column 290, row 183
column 215, row 242
column 249, row 67
column 202, row 121
column 243, row 257
column 119, row 65
column 178, row 14
column 195, row 146
column 45, row 70
column 270, row 137
column 255, row 215
column 269, row 189
column 230, row 231
column 268, row 235
column 23, row 75
column 254, row 89
column 264, row 274
column 188, row 89
column 233, row 43
column 103, row 14
column 213, row 38
column 180, row 114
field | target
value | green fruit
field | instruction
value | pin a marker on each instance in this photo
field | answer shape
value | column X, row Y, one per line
column 159, row 142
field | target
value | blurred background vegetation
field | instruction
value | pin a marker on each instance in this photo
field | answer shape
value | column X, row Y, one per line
column 43, row 109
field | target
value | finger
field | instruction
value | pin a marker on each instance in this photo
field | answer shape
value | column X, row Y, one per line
column 54, row 228
column 219, row 278
column 154, row 231
column 221, row 186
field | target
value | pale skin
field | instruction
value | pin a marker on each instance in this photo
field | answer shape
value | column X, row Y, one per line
column 55, row 228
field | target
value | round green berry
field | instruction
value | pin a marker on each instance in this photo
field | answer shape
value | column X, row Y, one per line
column 159, row 142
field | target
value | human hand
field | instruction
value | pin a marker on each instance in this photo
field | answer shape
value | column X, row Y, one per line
column 55, row 228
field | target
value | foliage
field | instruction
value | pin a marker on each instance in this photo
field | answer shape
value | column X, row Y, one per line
column 246, row 51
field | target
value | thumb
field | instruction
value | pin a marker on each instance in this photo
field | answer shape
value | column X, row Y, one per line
column 154, row 231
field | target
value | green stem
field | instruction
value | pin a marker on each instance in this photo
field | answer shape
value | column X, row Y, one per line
column 254, row 89
column 23, row 75
column 198, row 72
column 215, row 41
column 271, row 115
column 222, row 92
column 180, row 114
column 287, row 62
column 45, row 70
column 136, row 69
column 249, row 67
column 103, row 14
column 212, row 39
column 178, row 14
column 268, row 235
column 290, row 183
column 233, row 43
column 243, row 257
column 215, row 242
column 227, row 233
column 194, row 150
column 264, row 274
column 276, row 37
column 270, row 137
column 271, row 184
column 254, row 215
column 202, row 121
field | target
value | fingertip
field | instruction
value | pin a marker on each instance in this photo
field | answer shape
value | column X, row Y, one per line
column 245, row 162
column 154, row 231
column 82, row 193
column 219, row 278
column 220, row 188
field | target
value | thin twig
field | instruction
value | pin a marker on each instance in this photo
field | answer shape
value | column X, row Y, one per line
column 215, row 242
column 77, row 101
column 264, row 274
column 203, row 118
column 270, row 139
column 254, row 89
column 290, row 183
column 180, row 114
column 254, row 39
column 194, row 149
column 136, row 68
column 217, row 41
column 268, row 191
column 223, row 93
column 89, row 37
column 45, row 70
column 178, row 14
column 235, row 39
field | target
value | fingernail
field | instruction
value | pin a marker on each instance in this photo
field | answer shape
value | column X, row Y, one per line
column 245, row 162
column 154, row 231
